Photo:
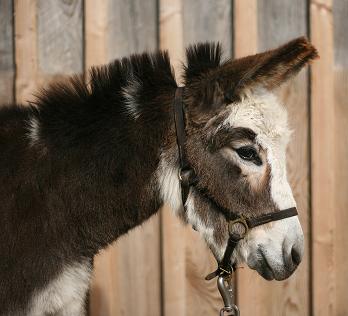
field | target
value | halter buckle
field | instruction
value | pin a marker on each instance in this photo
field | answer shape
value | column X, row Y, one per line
column 242, row 221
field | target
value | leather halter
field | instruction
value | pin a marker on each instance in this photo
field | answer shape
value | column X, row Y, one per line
column 188, row 178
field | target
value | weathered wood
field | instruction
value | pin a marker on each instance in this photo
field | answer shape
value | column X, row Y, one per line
column 323, row 171
column 26, row 49
column 186, row 257
column 173, row 233
column 278, row 22
column 204, row 21
column 59, row 29
column 48, row 43
column 340, row 13
column 329, row 168
column 6, row 52
column 245, row 27
column 127, row 276
column 208, row 21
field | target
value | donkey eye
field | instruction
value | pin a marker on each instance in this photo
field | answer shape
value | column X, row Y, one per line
column 247, row 153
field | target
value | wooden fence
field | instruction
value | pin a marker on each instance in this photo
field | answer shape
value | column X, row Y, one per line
column 159, row 269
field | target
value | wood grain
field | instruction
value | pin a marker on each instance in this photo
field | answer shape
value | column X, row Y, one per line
column 340, row 22
column 204, row 21
column 6, row 52
column 127, row 275
column 329, row 170
column 284, row 21
column 174, row 285
column 323, row 171
column 26, row 49
column 59, row 29
column 49, row 43
column 245, row 15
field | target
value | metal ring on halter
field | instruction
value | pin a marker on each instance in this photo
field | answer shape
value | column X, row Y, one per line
column 242, row 221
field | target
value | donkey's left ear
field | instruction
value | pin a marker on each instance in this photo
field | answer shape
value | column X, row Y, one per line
column 269, row 69
column 222, row 83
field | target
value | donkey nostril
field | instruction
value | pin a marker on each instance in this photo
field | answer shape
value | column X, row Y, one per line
column 295, row 256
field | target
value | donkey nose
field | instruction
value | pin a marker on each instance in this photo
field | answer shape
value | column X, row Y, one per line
column 296, row 255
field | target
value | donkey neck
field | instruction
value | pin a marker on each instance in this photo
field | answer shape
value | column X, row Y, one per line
column 103, row 152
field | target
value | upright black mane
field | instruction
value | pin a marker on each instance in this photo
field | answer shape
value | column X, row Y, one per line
column 113, row 90
column 201, row 58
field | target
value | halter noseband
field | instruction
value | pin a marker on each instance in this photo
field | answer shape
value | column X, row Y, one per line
column 188, row 178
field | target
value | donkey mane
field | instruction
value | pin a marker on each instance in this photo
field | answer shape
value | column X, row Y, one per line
column 201, row 58
column 114, row 91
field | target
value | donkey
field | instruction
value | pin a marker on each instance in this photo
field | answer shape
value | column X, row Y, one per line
column 86, row 163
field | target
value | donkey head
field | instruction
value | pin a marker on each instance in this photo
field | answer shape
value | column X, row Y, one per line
column 237, row 135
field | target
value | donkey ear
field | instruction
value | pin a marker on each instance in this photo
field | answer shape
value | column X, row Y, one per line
column 267, row 70
column 212, row 84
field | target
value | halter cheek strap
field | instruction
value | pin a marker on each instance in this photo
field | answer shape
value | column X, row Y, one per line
column 188, row 178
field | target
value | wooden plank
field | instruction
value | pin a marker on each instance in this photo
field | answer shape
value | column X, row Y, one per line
column 277, row 22
column 329, row 152
column 173, row 236
column 323, row 172
column 340, row 22
column 245, row 15
column 26, row 51
column 208, row 20
column 186, row 258
column 125, row 282
column 59, row 35
column 204, row 21
column 48, row 43
column 6, row 52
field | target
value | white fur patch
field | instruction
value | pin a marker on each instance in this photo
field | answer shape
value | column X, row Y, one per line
column 33, row 131
column 65, row 295
column 130, row 94
column 169, row 185
column 262, row 113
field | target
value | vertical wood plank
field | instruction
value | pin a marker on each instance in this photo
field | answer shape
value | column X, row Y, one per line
column 340, row 13
column 329, row 168
column 204, row 21
column 6, row 52
column 173, row 236
column 245, row 16
column 25, row 42
column 125, row 282
column 48, row 41
column 208, row 20
column 322, row 127
column 186, row 258
column 59, row 35
column 277, row 22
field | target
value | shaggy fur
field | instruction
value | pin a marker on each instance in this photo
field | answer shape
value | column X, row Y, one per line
column 86, row 163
